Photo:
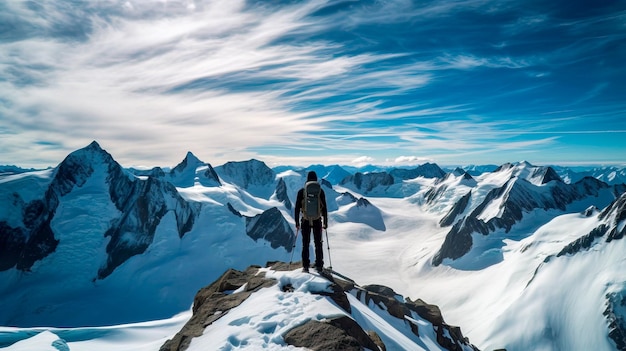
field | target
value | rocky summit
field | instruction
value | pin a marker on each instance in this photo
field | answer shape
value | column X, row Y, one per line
column 371, row 317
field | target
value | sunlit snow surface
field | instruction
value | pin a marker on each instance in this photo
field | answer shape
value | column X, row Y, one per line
column 503, row 293
column 259, row 323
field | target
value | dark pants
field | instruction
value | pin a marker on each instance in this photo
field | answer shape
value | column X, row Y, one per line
column 317, row 239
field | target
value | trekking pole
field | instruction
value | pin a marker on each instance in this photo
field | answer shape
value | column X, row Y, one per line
column 293, row 248
column 330, row 262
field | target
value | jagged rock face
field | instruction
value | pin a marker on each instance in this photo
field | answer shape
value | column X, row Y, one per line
column 363, row 202
column 346, row 198
column 368, row 181
column 143, row 204
column 272, row 227
column 450, row 337
column 458, row 208
column 186, row 173
column 546, row 174
column 214, row 300
column 337, row 333
column 210, row 177
column 281, row 193
column 613, row 216
column 246, row 173
column 516, row 197
column 616, row 302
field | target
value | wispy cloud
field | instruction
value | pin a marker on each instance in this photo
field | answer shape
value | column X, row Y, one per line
column 294, row 81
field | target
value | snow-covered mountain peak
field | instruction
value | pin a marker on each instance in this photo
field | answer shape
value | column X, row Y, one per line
column 79, row 165
column 192, row 171
column 246, row 173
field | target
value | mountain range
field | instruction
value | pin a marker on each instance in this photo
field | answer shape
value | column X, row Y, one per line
column 519, row 256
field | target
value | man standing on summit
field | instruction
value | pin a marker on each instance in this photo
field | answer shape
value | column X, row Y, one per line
column 311, row 204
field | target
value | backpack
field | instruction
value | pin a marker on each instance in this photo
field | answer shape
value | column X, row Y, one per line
column 311, row 203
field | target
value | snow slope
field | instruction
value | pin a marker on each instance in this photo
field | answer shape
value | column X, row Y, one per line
column 511, row 291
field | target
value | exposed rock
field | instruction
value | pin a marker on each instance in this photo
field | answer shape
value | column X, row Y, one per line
column 187, row 172
column 12, row 243
column 346, row 198
column 616, row 321
column 368, row 181
column 450, row 337
column 546, row 174
column 281, row 193
column 457, row 209
column 233, row 210
column 336, row 333
column 363, row 202
column 516, row 197
column 583, row 242
column 246, row 173
column 272, row 227
column 341, row 333
column 214, row 301
column 143, row 204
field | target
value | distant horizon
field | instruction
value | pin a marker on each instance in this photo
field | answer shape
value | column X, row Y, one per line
column 353, row 166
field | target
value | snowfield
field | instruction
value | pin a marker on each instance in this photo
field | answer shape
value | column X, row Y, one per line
column 511, row 290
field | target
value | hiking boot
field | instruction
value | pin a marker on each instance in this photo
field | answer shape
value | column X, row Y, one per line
column 305, row 269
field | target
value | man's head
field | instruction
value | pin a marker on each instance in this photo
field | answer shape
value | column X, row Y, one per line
column 311, row 176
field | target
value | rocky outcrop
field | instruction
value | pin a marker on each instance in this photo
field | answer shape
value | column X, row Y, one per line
column 341, row 333
column 513, row 199
column 192, row 170
column 545, row 175
column 612, row 228
column 457, row 209
column 334, row 333
column 368, row 181
column 449, row 337
column 213, row 301
column 346, row 198
column 272, row 227
column 616, row 302
column 281, row 193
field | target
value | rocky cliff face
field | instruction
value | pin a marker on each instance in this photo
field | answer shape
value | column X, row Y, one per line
column 281, row 193
column 368, row 181
column 143, row 203
column 504, row 206
column 338, row 332
column 246, row 173
column 191, row 170
column 272, row 227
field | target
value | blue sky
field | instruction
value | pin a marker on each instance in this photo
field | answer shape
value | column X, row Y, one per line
column 306, row 82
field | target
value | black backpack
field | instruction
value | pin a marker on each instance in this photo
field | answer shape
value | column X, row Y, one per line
column 311, row 202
